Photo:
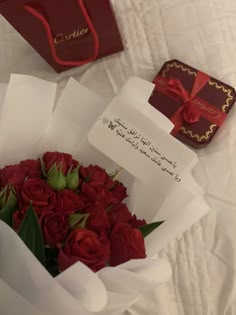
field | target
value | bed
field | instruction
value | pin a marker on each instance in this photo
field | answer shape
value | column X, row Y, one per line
column 201, row 33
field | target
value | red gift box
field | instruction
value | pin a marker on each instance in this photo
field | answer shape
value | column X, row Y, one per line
column 196, row 103
column 66, row 33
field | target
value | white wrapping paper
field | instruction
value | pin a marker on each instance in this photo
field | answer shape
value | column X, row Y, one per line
column 3, row 90
column 14, row 304
column 78, row 290
column 27, row 107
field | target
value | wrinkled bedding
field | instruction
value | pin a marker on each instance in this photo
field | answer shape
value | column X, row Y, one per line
column 201, row 33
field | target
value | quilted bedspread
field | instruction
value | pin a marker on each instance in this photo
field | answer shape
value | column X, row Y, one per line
column 201, row 33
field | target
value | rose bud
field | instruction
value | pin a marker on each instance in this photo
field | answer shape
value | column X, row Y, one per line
column 8, row 198
column 72, row 179
column 55, row 179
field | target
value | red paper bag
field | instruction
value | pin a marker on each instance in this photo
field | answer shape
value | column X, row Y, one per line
column 66, row 33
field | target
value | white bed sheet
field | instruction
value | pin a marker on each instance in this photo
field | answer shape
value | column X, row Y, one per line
column 201, row 33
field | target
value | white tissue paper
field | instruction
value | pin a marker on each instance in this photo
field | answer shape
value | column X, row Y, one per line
column 29, row 103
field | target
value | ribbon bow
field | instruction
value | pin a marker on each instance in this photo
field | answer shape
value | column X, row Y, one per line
column 187, row 112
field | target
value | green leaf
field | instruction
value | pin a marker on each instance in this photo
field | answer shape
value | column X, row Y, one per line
column 31, row 234
column 72, row 179
column 3, row 193
column 78, row 220
column 11, row 199
column 43, row 168
column 53, row 170
column 149, row 228
column 9, row 208
column 51, row 255
column 6, row 215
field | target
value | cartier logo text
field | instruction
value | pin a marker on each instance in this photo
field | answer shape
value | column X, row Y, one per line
column 61, row 38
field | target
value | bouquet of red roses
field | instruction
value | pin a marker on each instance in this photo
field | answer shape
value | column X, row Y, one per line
column 65, row 213
column 69, row 214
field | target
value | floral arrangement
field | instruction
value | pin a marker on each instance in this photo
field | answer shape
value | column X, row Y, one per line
column 66, row 212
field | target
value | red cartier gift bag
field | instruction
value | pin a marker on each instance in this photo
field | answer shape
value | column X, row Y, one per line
column 66, row 33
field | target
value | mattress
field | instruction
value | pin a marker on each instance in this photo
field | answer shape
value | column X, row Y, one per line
column 201, row 33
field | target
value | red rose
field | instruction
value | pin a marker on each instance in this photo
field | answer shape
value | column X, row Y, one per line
column 136, row 223
column 97, row 194
column 119, row 213
column 16, row 174
column 69, row 202
column 97, row 221
column 85, row 246
column 37, row 191
column 126, row 243
column 32, row 168
column 12, row 175
column 63, row 160
column 54, row 227
column 96, row 176
column 119, row 192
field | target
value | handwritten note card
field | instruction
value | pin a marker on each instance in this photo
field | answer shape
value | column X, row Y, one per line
column 138, row 144
column 144, row 146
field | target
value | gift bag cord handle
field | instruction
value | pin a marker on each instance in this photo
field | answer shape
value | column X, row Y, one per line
column 49, row 34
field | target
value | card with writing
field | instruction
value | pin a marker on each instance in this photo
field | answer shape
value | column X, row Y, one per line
column 138, row 140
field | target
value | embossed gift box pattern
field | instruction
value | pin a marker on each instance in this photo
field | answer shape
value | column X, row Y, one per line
column 213, row 101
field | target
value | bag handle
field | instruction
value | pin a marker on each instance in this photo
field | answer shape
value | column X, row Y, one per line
column 49, row 34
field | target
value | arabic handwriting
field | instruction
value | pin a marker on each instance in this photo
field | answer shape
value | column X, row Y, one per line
column 145, row 147
column 142, row 151
column 120, row 123
column 155, row 160
column 133, row 143
column 132, row 132
column 153, row 149
column 164, row 169
column 145, row 141
column 120, row 133
column 177, row 178
column 129, row 139
column 169, row 161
